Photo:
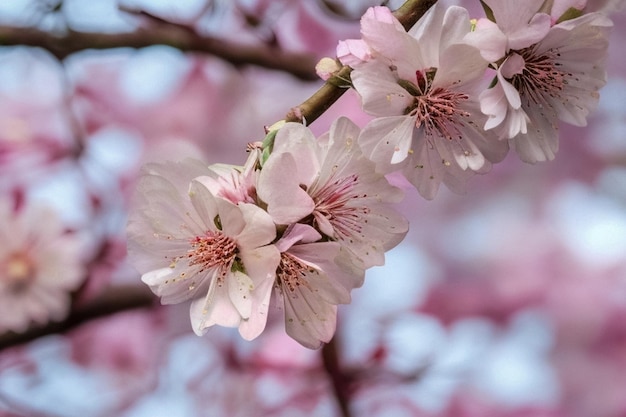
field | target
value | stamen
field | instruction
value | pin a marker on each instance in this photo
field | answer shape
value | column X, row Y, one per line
column 438, row 111
column 540, row 77
column 291, row 273
column 212, row 250
column 331, row 202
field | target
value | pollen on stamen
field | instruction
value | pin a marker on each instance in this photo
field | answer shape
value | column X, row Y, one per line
column 439, row 112
column 541, row 77
column 332, row 201
column 291, row 273
column 213, row 250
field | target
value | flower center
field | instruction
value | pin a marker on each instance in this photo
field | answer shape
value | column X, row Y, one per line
column 291, row 273
column 332, row 206
column 19, row 272
column 213, row 250
column 439, row 113
column 437, row 110
column 540, row 77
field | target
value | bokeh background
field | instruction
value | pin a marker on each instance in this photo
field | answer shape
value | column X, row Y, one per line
column 507, row 301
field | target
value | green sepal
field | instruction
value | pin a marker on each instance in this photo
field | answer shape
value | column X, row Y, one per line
column 488, row 11
column 238, row 266
column 267, row 145
column 571, row 13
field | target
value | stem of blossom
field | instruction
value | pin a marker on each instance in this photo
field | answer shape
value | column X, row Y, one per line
column 307, row 112
column 112, row 301
column 330, row 359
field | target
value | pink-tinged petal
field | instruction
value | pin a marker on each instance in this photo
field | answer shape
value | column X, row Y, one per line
column 494, row 104
column 456, row 24
column 510, row 92
column 392, row 45
column 605, row 6
column 334, row 278
column 582, row 54
column 473, row 68
column 287, row 202
column 162, row 207
column 512, row 16
column 424, row 169
column 298, row 140
column 467, row 157
column 375, row 23
column 297, row 233
column 156, row 279
column 536, row 30
column 214, row 309
column 353, row 52
column 341, row 148
column 514, row 64
column 295, row 138
column 260, row 264
column 541, row 146
column 324, row 225
column 489, row 39
column 430, row 26
column 309, row 320
column 517, row 123
column 204, row 203
column 179, row 174
column 240, row 287
column 502, row 104
column 381, row 14
column 387, row 139
column 379, row 90
column 259, row 227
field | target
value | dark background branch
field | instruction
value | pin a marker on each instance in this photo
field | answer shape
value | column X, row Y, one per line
column 163, row 33
column 114, row 300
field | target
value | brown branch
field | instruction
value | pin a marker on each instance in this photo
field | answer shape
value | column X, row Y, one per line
column 61, row 46
column 338, row 380
column 408, row 14
column 114, row 300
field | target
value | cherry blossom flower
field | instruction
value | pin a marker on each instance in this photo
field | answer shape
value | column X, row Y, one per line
column 192, row 245
column 40, row 265
column 311, row 279
column 233, row 183
column 354, row 52
column 331, row 184
column 422, row 86
column 545, row 73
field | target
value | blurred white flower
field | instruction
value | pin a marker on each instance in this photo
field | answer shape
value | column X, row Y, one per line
column 40, row 265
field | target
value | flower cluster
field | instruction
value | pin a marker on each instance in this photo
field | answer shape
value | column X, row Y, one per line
column 303, row 223
column 437, row 121
column 304, row 218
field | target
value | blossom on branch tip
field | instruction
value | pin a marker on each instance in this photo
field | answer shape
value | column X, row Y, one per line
column 546, row 73
column 192, row 245
column 40, row 265
column 329, row 184
column 423, row 86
